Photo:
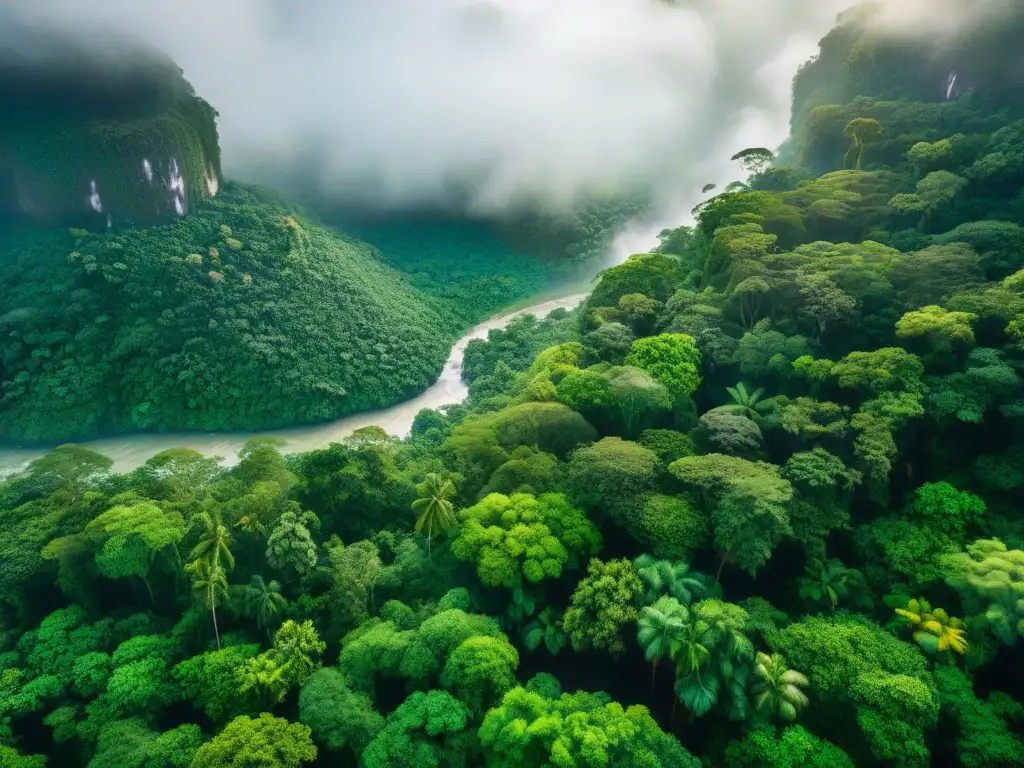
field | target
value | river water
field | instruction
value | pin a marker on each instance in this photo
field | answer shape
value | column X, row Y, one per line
column 129, row 451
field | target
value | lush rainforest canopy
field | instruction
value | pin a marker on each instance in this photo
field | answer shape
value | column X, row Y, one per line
column 245, row 314
column 756, row 503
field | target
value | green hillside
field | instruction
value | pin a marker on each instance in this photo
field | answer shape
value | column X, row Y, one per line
column 243, row 315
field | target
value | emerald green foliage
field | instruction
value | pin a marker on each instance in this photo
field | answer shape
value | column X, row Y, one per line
column 210, row 681
column 265, row 741
column 516, row 345
column 983, row 738
column 653, row 275
column 730, row 433
column 824, row 491
column 11, row 758
column 850, row 659
column 778, row 691
column 829, row 581
column 714, row 662
column 165, row 328
column 461, row 268
column 748, row 504
column 660, row 630
column 671, row 526
column 624, row 399
column 294, row 657
column 522, row 537
column 663, row 578
column 612, row 476
column 949, row 510
column 337, row 716
column 605, row 601
column 795, row 748
column 290, row 547
column 434, row 510
column 428, row 729
column 991, row 578
column 672, row 359
column 528, row 729
column 896, row 549
column 668, row 444
column 480, row 671
column 834, row 541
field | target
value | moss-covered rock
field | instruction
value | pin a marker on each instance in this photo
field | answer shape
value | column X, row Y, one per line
column 99, row 133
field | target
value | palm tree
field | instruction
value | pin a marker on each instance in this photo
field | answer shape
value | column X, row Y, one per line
column 436, row 512
column 934, row 629
column 208, row 583
column 660, row 631
column 675, row 579
column 829, row 580
column 777, row 691
column 744, row 401
column 215, row 541
column 264, row 601
column 715, row 657
column 691, row 654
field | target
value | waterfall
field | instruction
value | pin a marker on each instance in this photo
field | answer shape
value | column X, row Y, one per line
column 951, row 85
column 94, row 198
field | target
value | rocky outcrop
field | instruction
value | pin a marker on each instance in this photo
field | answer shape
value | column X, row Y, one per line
column 99, row 133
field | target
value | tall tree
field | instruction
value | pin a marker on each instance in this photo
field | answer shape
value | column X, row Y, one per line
column 991, row 576
column 660, row 631
column 210, row 585
column 214, row 541
column 754, row 159
column 290, row 546
column 265, row 741
column 715, row 659
column 605, row 601
column 434, row 509
column 133, row 536
column 264, row 601
column 859, row 132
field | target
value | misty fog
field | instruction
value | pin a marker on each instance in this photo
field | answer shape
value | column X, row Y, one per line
column 400, row 102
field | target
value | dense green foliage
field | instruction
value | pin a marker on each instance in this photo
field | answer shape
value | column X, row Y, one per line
column 757, row 503
column 243, row 315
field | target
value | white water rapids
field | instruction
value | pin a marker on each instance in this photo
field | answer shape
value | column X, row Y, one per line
column 131, row 450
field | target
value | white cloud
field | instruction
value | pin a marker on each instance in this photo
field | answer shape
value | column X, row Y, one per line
column 398, row 101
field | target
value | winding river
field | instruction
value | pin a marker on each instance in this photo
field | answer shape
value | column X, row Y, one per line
column 129, row 451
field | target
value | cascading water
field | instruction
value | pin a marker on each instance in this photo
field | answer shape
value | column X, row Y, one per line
column 952, row 91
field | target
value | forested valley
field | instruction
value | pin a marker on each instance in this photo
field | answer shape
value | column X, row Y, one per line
column 755, row 503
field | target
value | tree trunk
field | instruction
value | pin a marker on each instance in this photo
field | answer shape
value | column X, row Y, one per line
column 148, row 589
column 654, row 672
column 721, row 565
column 216, row 631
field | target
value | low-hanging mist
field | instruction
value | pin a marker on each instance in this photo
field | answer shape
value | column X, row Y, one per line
column 488, row 104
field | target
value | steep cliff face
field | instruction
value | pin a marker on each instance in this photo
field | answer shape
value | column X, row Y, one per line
column 99, row 133
column 970, row 80
column 856, row 59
